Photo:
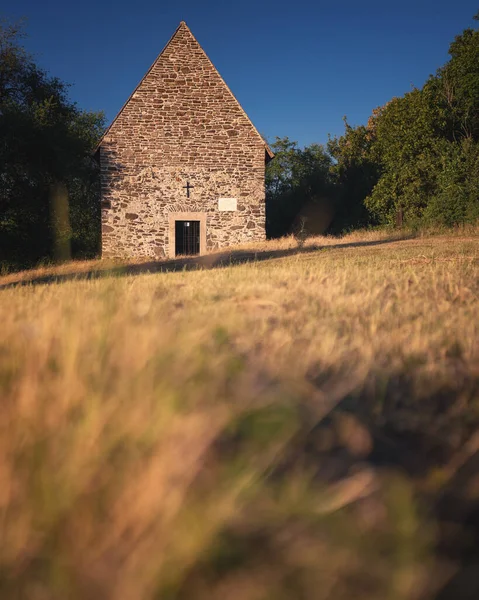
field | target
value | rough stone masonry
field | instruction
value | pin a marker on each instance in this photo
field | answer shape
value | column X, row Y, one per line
column 181, row 149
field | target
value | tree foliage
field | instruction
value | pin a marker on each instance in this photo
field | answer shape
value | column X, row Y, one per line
column 355, row 173
column 425, row 146
column 46, row 141
column 295, row 177
column 415, row 162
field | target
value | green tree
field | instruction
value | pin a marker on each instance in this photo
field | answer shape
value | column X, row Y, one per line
column 426, row 145
column 416, row 161
column 458, row 83
column 46, row 146
column 296, row 177
column 355, row 173
column 408, row 147
column 456, row 200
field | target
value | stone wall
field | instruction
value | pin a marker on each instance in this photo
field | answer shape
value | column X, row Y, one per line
column 182, row 124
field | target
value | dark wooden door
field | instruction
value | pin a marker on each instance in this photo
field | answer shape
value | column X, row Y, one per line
column 187, row 238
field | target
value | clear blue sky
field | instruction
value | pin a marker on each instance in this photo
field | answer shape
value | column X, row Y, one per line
column 296, row 66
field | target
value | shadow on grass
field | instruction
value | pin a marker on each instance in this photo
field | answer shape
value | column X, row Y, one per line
column 191, row 263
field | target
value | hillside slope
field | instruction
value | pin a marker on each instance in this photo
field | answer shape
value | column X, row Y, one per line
column 277, row 421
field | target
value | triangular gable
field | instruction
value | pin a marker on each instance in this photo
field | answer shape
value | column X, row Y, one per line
column 183, row 27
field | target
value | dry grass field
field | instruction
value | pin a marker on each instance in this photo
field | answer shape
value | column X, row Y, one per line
column 280, row 421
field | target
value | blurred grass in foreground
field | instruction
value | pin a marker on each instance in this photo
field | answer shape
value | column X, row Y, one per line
column 303, row 427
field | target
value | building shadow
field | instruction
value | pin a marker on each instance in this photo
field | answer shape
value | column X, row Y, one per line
column 215, row 260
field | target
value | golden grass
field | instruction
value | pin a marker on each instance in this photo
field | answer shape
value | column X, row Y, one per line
column 213, row 433
column 290, row 243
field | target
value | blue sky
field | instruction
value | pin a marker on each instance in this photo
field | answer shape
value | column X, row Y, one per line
column 296, row 67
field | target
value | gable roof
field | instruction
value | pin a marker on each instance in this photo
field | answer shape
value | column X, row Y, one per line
column 184, row 26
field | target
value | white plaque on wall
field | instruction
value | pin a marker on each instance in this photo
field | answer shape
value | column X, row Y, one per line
column 227, row 204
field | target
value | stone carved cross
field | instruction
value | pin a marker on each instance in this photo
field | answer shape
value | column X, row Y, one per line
column 188, row 187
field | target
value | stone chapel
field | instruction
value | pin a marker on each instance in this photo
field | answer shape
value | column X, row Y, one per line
column 182, row 166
